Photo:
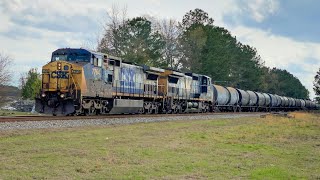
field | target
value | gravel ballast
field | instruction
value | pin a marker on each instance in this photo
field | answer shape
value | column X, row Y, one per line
column 113, row 121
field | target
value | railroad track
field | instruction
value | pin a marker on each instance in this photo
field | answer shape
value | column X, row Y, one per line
column 52, row 118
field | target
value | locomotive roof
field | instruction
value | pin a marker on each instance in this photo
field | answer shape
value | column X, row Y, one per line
column 82, row 51
column 73, row 50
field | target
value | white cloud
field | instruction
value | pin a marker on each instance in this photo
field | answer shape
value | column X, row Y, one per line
column 283, row 52
column 260, row 9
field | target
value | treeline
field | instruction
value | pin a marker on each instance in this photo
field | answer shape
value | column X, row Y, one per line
column 195, row 45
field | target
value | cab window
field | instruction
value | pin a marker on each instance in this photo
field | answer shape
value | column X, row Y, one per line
column 97, row 60
column 76, row 57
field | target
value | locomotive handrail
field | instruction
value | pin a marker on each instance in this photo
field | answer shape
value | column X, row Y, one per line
column 74, row 85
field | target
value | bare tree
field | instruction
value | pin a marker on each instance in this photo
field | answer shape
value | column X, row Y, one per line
column 22, row 80
column 170, row 31
column 5, row 73
column 110, row 40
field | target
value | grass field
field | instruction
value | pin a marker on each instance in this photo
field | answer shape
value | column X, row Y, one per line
column 257, row 148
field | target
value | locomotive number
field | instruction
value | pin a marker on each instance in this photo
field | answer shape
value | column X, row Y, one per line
column 60, row 74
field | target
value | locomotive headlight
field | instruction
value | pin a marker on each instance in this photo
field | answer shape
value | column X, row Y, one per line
column 43, row 95
column 62, row 96
column 59, row 66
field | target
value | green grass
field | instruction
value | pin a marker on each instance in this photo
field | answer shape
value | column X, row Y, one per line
column 247, row 148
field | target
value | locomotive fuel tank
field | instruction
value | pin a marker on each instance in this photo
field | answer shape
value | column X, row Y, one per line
column 193, row 104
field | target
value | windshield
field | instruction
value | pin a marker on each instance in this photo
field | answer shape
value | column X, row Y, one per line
column 71, row 57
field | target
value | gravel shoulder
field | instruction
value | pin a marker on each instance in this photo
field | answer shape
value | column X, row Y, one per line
column 113, row 121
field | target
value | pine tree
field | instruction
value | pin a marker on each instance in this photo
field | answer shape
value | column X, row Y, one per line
column 316, row 85
column 33, row 84
column 135, row 41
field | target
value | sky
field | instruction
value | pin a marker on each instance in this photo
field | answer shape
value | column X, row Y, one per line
column 286, row 33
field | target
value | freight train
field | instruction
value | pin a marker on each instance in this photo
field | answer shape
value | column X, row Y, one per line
column 85, row 82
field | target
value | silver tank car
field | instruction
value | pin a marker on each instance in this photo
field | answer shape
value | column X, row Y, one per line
column 234, row 96
column 268, row 99
column 261, row 99
column 286, row 102
column 253, row 98
column 283, row 101
column 309, row 104
column 298, row 103
column 279, row 100
column 303, row 103
column 293, row 102
column 221, row 95
column 274, row 100
column 290, row 102
column 244, row 97
column 313, row 104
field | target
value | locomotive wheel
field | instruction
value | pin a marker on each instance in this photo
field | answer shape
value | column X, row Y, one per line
column 91, row 111
column 175, row 110
column 141, row 111
column 234, row 109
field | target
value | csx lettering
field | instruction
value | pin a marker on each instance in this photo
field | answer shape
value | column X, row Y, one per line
column 60, row 74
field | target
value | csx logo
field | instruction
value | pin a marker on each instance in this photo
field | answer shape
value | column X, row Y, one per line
column 60, row 74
